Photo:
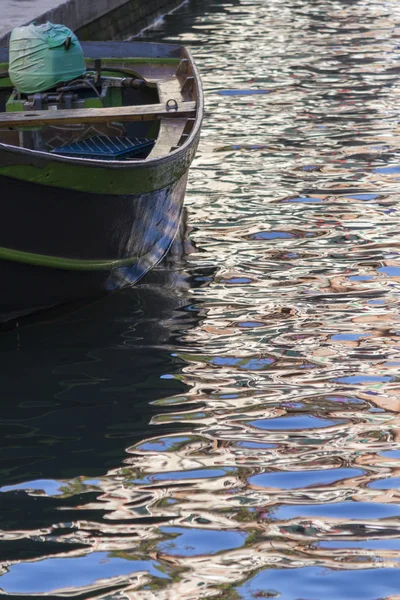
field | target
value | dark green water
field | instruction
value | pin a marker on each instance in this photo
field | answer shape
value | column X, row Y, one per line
column 230, row 427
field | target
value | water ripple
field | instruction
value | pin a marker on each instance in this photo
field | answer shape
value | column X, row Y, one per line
column 268, row 459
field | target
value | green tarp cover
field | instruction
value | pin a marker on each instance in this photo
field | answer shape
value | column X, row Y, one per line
column 42, row 56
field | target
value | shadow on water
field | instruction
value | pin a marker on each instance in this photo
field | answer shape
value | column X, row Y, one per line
column 75, row 390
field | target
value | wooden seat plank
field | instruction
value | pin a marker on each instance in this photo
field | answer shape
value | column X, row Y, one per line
column 144, row 112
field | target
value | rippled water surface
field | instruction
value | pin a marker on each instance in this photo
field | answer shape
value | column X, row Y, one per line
column 230, row 427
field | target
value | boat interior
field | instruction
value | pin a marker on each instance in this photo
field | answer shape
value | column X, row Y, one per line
column 136, row 101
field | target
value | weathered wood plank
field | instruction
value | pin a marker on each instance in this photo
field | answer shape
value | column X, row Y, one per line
column 169, row 89
column 170, row 133
column 143, row 112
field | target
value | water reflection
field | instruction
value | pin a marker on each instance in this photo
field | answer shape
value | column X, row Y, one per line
column 62, row 382
column 76, row 392
column 268, row 462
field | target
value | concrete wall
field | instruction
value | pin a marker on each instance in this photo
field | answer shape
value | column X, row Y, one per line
column 95, row 19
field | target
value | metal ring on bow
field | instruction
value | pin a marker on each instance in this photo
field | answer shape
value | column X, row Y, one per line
column 172, row 104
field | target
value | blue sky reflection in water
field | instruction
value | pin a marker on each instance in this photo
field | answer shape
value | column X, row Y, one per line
column 315, row 583
column 234, row 432
column 56, row 573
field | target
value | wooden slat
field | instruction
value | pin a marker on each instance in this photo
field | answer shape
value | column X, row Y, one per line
column 143, row 112
column 170, row 133
column 169, row 89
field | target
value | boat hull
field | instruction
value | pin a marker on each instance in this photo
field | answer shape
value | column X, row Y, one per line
column 72, row 227
column 59, row 247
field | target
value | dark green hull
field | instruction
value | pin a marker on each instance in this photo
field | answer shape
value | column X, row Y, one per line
column 60, row 247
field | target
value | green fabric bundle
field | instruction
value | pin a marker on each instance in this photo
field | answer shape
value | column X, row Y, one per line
column 42, row 56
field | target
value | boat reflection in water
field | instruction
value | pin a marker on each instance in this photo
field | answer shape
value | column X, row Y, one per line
column 86, row 393
column 121, row 465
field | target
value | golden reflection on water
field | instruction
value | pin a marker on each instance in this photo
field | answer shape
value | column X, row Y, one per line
column 288, row 453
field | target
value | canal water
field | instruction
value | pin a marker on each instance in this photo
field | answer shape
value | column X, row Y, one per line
column 230, row 427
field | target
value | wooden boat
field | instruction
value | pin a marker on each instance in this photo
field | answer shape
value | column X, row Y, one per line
column 91, row 197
